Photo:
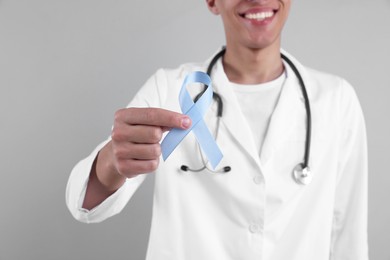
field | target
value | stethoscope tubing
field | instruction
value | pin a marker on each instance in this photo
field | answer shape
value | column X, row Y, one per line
column 308, row 111
column 303, row 166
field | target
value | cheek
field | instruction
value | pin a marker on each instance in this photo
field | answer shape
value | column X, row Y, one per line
column 286, row 5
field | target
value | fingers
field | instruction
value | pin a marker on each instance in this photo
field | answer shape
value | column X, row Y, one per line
column 136, row 137
column 129, row 151
column 153, row 117
column 133, row 167
column 131, row 159
column 136, row 133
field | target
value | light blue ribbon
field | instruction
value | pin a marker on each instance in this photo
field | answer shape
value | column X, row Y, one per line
column 195, row 111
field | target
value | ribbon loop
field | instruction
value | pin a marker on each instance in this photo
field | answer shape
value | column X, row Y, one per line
column 195, row 111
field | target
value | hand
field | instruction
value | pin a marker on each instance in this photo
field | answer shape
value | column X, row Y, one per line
column 136, row 137
column 134, row 149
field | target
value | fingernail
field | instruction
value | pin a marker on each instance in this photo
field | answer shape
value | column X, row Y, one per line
column 185, row 122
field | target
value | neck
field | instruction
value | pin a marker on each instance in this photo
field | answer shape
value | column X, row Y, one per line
column 252, row 66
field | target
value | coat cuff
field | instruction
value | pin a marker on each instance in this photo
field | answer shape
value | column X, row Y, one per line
column 77, row 185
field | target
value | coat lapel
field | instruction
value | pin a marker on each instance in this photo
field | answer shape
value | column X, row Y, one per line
column 288, row 121
column 233, row 121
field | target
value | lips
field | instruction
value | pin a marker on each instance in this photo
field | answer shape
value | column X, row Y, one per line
column 258, row 15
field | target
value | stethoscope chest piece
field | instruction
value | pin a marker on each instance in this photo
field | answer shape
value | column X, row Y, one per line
column 302, row 175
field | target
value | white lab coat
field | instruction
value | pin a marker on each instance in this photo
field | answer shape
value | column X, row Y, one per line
column 256, row 211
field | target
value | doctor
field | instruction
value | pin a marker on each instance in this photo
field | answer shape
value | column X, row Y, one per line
column 256, row 210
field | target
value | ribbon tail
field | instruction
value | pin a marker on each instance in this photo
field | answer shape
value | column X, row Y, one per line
column 207, row 143
column 172, row 140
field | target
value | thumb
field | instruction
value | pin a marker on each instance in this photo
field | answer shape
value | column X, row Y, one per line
column 185, row 123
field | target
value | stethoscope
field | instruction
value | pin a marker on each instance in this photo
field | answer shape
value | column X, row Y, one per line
column 301, row 173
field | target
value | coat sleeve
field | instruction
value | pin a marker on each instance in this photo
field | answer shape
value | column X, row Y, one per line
column 149, row 95
column 349, row 232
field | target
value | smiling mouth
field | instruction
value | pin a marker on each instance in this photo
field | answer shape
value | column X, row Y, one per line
column 258, row 16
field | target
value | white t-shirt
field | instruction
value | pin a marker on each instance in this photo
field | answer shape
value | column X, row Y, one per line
column 257, row 103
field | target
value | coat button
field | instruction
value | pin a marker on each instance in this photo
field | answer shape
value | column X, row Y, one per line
column 257, row 179
column 254, row 228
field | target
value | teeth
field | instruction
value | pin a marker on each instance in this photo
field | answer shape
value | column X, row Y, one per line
column 259, row 16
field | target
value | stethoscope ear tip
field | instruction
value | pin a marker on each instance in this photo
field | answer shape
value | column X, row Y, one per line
column 302, row 175
column 227, row 169
column 184, row 168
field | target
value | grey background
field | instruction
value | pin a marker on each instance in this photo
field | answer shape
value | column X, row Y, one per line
column 67, row 66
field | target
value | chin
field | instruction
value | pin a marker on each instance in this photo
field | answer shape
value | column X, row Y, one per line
column 260, row 45
column 263, row 43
